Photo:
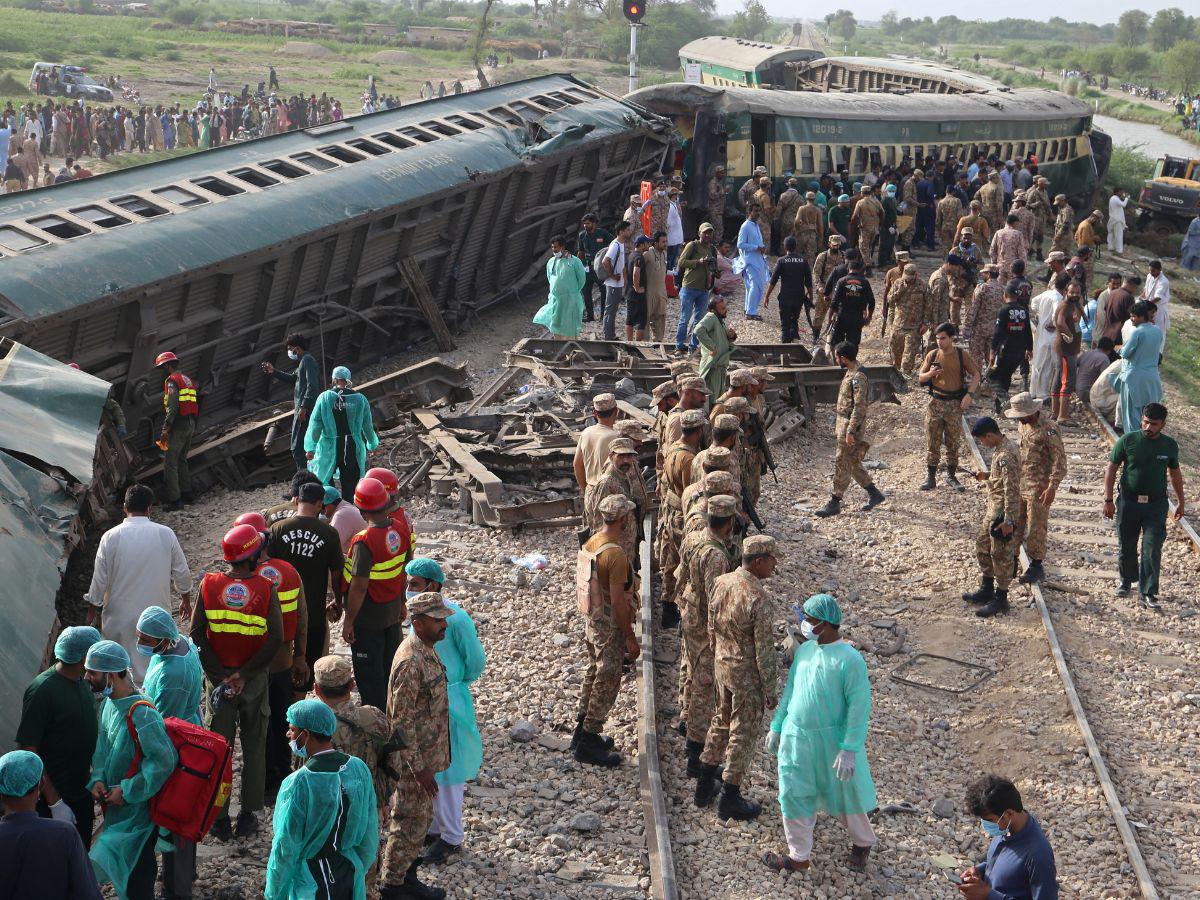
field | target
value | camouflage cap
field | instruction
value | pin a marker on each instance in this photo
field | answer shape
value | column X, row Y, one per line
column 760, row 170
column 727, row 422
column 865, row 189
column 836, row 240
column 693, row 383
column 621, row 445
column 994, row 176
column 333, row 671
column 901, row 255
column 630, row 428
column 705, row 226
column 968, row 230
column 722, row 505
column 992, row 267
column 1060, row 198
column 911, row 269
column 737, row 405
column 663, row 391
column 716, row 458
column 692, row 418
column 765, row 181
column 741, row 378
column 429, row 603
column 604, row 402
column 614, row 506
column 719, row 483
column 1056, row 256
column 758, row 545
column 761, row 374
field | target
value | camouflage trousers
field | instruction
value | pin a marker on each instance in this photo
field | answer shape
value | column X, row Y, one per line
column 666, row 549
column 716, row 216
column 946, row 236
column 943, row 424
column 867, row 241
column 752, row 477
column 412, row 811
column 765, row 228
column 848, row 464
column 1062, row 242
column 906, row 347
column 602, row 680
column 697, row 690
column 1035, row 246
column 955, row 312
column 822, row 308
column 736, row 724
column 806, row 245
column 995, row 556
column 1031, row 527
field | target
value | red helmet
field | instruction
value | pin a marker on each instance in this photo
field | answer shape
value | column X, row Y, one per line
column 390, row 483
column 257, row 519
column 74, row 366
column 240, row 542
column 165, row 358
column 371, row 495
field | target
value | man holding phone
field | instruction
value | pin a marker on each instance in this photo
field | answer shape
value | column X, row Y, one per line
column 1020, row 860
column 995, row 546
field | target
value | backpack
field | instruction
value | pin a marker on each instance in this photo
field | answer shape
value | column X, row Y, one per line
column 197, row 790
column 587, row 583
column 598, row 263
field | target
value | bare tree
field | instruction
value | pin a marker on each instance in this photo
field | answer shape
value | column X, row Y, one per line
column 479, row 38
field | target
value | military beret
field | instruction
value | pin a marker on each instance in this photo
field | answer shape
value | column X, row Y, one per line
column 758, row 545
column 692, row 418
column 622, row 445
column 333, row 671
column 614, row 506
column 722, row 505
column 604, row 402
column 741, row 378
column 727, row 422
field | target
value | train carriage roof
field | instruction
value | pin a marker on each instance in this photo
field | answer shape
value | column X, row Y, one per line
column 736, row 53
column 63, row 277
column 1022, row 104
column 917, row 68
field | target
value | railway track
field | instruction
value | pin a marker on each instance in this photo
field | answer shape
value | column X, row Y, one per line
column 1083, row 547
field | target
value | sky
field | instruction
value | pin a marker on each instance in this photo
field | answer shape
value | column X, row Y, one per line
column 1096, row 11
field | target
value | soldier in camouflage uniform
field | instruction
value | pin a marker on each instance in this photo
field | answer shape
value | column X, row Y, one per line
column 665, row 398
column 974, row 224
column 677, row 477
column 981, row 316
column 991, row 202
column 1064, row 225
column 909, row 302
column 941, row 294
column 741, row 382
column 827, row 261
column 744, row 664
column 632, row 429
column 809, row 228
column 362, row 731
column 952, row 378
column 1026, row 220
column 949, row 211
column 717, row 458
column 786, row 208
column 659, row 205
column 908, row 197
column 418, row 708
column 617, row 477
column 746, row 191
column 704, row 556
column 717, row 190
column 851, row 433
column 867, row 217
column 996, row 544
column 1043, row 467
column 761, row 378
column 693, row 394
column 767, row 208
column 1038, row 202
column 890, row 277
column 714, row 483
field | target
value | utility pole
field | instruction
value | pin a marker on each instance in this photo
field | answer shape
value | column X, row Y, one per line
column 633, row 56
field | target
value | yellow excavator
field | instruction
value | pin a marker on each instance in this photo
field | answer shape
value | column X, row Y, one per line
column 1171, row 199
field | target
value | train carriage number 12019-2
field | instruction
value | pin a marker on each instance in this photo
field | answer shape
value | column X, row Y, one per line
column 826, row 128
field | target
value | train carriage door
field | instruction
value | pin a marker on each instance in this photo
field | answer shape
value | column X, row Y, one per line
column 709, row 149
column 761, row 128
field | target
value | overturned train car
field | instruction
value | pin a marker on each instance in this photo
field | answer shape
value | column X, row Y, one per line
column 329, row 230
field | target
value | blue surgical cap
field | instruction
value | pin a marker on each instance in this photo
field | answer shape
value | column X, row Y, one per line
column 332, row 495
column 156, row 622
column 314, row 716
column 824, row 608
column 843, row 198
column 341, row 373
column 107, row 656
column 72, row 645
column 20, row 772
column 424, row 567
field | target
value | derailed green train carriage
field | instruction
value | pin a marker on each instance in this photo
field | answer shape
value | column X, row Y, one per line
column 806, row 134
column 217, row 255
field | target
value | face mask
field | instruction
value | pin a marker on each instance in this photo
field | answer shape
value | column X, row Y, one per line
column 292, row 354
column 408, row 595
column 106, row 691
column 994, row 829
column 297, row 750
column 146, row 649
column 807, row 629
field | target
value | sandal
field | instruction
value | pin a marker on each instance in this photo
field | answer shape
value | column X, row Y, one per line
column 857, row 860
column 780, row 863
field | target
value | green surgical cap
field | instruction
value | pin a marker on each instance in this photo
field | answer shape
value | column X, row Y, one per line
column 823, row 607
column 424, row 567
column 314, row 716
column 156, row 622
column 72, row 645
column 341, row 373
column 107, row 656
column 20, row 772
column 332, row 495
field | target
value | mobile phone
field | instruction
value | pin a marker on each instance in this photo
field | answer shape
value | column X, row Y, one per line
column 952, row 877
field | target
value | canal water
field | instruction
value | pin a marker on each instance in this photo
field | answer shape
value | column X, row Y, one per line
column 1148, row 139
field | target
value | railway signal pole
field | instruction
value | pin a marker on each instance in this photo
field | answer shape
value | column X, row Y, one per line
column 634, row 11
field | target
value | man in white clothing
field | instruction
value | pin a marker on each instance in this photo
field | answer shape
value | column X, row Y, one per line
column 1157, row 290
column 1042, row 310
column 138, row 564
column 674, row 230
column 1116, row 220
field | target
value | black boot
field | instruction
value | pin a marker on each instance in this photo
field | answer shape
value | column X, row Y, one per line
column 996, row 606
column 952, row 478
column 604, row 738
column 694, row 766
column 1034, row 574
column 707, row 785
column 591, row 750
column 874, row 498
column 930, row 481
column 414, row 887
column 733, row 805
column 832, row 508
column 670, row 614
column 986, row 592
column 439, row 851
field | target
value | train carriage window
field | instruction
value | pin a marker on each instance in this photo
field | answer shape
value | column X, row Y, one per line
column 393, row 140
column 1053, row 153
column 313, row 161
column 807, row 163
column 440, row 128
column 889, row 156
column 417, row 134
column 861, row 160
column 876, row 157
column 254, row 177
column 788, row 158
column 843, row 155
column 526, row 111
column 905, row 152
column 1019, row 150
column 918, row 154
column 15, row 239
column 826, row 159
column 507, row 116
column 580, row 92
column 342, row 154
column 179, row 196
column 543, row 100
column 217, row 186
column 1008, row 152
column 99, row 216
column 996, row 152
column 138, row 206
column 287, row 170
column 565, row 98
column 59, row 227
column 368, row 147
column 464, row 122
column 1042, row 155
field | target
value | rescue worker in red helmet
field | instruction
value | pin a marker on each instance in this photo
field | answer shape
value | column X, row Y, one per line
column 373, row 582
column 182, row 406
column 237, row 626
column 289, row 669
